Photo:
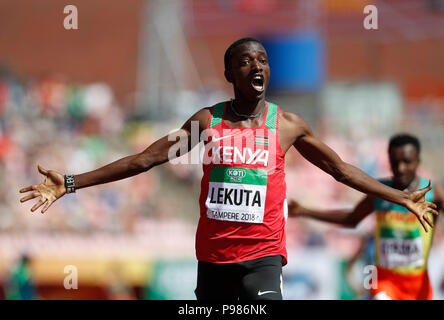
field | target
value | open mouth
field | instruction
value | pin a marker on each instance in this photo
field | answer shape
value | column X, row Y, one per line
column 258, row 82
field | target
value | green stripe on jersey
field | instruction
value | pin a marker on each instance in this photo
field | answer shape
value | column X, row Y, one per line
column 400, row 234
column 271, row 122
column 239, row 175
column 218, row 112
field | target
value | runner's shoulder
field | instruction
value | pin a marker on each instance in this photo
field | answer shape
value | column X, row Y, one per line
column 290, row 120
column 202, row 115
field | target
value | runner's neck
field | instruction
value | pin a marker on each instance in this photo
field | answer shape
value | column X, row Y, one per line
column 247, row 109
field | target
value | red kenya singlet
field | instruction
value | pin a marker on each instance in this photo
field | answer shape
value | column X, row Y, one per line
column 243, row 208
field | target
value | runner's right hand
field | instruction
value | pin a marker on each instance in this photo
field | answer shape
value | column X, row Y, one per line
column 52, row 188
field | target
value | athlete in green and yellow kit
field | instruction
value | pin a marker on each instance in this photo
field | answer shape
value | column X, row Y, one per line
column 401, row 245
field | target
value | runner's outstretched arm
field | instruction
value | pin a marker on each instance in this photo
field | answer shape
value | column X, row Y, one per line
column 349, row 217
column 53, row 187
column 326, row 159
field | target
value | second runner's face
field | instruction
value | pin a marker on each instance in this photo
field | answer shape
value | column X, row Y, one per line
column 404, row 161
column 249, row 71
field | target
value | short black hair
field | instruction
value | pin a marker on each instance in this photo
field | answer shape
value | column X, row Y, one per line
column 402, row 139
column 227, row 56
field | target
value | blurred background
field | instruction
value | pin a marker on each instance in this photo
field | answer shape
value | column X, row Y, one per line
column 74, row 100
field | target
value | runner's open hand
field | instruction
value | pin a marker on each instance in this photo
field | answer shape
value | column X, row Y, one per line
column 420, row 207
column 49, row 190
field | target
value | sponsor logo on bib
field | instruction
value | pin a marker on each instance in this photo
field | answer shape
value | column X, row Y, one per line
column 236, row 174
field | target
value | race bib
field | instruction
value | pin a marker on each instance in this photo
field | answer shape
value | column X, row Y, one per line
column 401, row 248
column 237, row 194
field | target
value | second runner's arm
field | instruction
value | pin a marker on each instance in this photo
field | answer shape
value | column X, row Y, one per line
column 346, row 217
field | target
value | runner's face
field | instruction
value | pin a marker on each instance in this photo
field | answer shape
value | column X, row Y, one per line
column 249, row 71
column 404, row 161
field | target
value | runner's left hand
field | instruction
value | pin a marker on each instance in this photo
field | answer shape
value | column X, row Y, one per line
column 418, row 205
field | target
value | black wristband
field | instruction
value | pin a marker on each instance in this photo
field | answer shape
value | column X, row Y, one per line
column 70, row 185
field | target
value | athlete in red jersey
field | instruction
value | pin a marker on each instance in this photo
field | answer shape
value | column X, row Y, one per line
column 240, row 241
column 243, row 191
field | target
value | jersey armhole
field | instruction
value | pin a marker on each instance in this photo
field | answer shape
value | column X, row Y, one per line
column 210, row 117
column 278, row 108
column 277, row 128
column 217, row 113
